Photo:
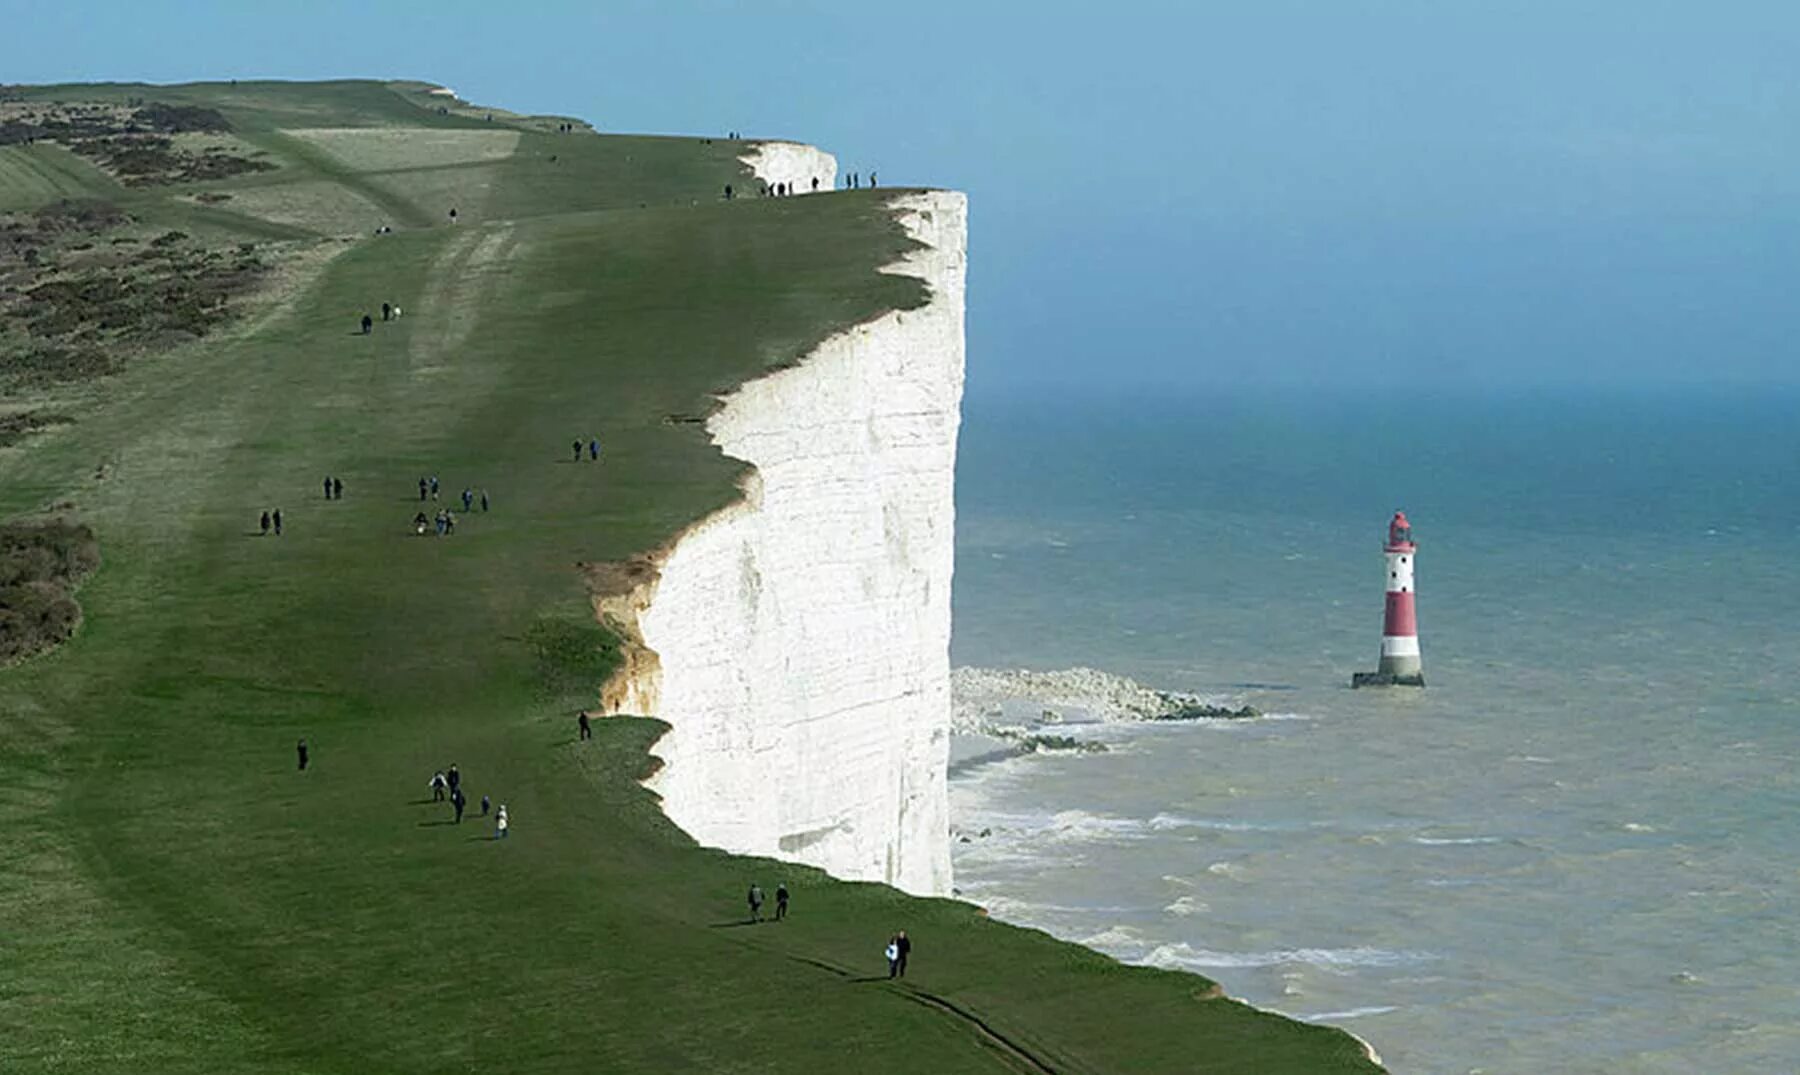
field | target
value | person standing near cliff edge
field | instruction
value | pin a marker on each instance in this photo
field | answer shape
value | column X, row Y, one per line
column 755, row 898
column 781, row 898
column 904, row 947
column 581, row 722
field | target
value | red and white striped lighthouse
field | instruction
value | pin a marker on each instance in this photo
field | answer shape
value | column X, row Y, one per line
column 1400, row 665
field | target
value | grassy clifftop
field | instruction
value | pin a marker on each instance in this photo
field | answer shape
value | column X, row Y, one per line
column 173, row 894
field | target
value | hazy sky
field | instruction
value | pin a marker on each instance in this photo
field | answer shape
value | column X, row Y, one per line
column 1181, row 193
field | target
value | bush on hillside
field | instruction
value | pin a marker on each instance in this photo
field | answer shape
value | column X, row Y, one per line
column 41, row 562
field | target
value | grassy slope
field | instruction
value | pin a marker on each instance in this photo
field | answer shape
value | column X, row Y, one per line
column 173, row 897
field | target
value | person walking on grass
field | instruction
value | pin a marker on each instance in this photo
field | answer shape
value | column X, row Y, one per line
column 756, row 901
column 438, row 786
column 434, row 487
column 301, row 750
column 468, row 499
column 265, row 524
column 455, row 778
column 368, row 323
column 581, row 722
column 903, row 947
column 458, row 800
column 485, row 803
column 500, row 823
column 277, row 518
column 424, row 487
column 419, row 523
column 578, row 451
column 781, row 898
column 327, row 488
column 484, row 501
column 337, row 488
column 893, row 956
column 594, row 449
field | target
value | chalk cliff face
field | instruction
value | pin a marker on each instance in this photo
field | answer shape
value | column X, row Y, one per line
column 794, row 164
column 797, row 642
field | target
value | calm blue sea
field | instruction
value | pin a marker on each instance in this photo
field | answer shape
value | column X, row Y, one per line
column 1578, row 850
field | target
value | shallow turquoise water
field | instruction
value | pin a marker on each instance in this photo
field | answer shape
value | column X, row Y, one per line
column 1575, row 851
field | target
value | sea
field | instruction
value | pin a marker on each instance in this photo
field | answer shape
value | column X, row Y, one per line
column 1576, row 850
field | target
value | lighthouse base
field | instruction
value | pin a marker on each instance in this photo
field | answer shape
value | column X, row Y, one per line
column 1387, row 679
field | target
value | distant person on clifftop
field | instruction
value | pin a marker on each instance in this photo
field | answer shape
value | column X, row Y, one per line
column 594, row 449
column 277, row 517
column 458, row 800
column 424, row 487
column 904, row 947
column 301, row 750
column 484, row 500
column 337, row 488
column 438, row 786
column 728, row 192
column 434, row 487
column 368, row 323
column 815, row 184
column 781, row 898
column 327, row 488
column 756, row 900
column 485, row 801
column 578, row 451
column 419, row 524
column 893, row 956
column 455, row 778
column 468, row 499
column 581, row 721
column 265, row 524
column 873, row 183
column 387, row 312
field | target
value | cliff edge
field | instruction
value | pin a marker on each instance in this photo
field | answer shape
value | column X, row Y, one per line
column 797, row 641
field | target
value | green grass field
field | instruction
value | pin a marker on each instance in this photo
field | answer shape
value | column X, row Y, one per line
column 175, row 897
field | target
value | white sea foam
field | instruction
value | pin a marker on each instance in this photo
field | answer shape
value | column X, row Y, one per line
column 1187, row 905
column 1349, row 1013
column 1455, row 841
column 978, row 693
column 1182, row 956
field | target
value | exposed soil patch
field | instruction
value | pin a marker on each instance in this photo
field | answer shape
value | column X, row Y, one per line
column 41, row 562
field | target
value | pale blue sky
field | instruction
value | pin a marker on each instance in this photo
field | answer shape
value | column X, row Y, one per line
column 1182, row 194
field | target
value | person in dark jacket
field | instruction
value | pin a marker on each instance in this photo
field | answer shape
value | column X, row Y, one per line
column 301, row 750
column 265, row 524
column 337, row 488
column 368, row 324
column 781, row 898
column 904, row 948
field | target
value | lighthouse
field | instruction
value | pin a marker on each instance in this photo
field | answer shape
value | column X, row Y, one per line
column 1400, row 666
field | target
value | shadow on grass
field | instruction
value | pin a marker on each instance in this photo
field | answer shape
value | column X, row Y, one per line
column 734, row 924
column 434, row 824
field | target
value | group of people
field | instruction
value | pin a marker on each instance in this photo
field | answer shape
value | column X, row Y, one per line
column 271, row 517
column 854, row 180
column 593, row 448
column 389, row 311
column 334, row 488
column 445, row 522
column 446, row 784
column 756, row 901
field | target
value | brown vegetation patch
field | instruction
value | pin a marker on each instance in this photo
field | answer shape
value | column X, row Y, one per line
column 41, row 562
column 134, row 142
column 77, row 303
column 16, row 427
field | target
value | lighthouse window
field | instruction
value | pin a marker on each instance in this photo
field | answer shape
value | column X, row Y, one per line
column 1393, row 574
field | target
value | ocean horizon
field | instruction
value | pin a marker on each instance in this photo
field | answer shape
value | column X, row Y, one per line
column 1571, row 852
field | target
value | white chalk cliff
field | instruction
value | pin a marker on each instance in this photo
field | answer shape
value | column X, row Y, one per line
column 797, row 641
column 792, row 163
